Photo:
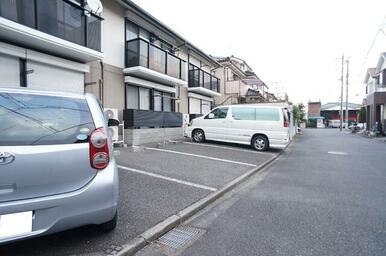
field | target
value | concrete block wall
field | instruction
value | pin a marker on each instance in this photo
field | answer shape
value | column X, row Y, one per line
column 136, row 137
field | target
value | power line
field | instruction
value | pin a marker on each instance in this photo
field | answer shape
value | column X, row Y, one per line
column 380, row 30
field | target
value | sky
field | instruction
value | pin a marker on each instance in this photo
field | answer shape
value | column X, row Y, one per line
column 293, row 46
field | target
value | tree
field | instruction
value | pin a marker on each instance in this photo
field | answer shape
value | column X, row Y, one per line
column 362, row 115
column 299, row 112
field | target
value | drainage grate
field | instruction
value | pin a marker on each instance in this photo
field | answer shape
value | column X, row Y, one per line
column 179, row 238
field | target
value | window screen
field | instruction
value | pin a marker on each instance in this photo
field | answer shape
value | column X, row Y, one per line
column 94, row 33
column 61, row 19
column 131, row 31
column 43, row 120
column 167, row 102
column 21, row 11
column 144, row 98
column 132, row 97
column 157, row 101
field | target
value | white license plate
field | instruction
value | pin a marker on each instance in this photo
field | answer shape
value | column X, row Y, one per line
column 15, row 224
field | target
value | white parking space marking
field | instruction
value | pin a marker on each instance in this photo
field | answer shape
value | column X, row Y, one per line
column 337, row 153
column 187, row 183
column 201, row 156
column 229, row 148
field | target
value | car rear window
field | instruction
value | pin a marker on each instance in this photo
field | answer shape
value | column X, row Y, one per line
column 43, row 120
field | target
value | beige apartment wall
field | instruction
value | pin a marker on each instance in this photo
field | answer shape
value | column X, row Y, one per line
column 184, row 105
column 110, row 90
column 113, row 33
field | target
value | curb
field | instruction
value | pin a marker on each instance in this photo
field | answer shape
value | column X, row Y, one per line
column 166, row 225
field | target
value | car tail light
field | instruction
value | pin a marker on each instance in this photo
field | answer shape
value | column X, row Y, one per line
column 285, row 123
column 99, row 149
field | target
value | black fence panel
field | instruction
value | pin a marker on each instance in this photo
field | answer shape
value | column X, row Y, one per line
column 135, row 118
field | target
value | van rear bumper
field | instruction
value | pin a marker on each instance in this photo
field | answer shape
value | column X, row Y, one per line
column 95, row 203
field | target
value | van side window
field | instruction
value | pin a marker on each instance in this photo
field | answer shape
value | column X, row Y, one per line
column 267, row 114
column 218, row 113
column 244, row 113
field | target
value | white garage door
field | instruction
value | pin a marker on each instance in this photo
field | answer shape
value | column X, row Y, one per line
column 194, row 106
column 9, row 71
column 46, row 77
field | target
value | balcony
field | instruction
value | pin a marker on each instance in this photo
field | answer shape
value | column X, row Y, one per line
column 58, row 27
column 372, row 88
column 149, row 62
column 202, row 82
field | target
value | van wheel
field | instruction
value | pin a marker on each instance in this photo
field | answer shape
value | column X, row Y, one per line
column 260, row 143
column 110, row 225
column 198, row 136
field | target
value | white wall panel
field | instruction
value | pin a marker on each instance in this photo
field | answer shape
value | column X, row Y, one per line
column 113, row 33
column 46, row 77
column 194, row 106
column 206, row 106
column 9, row 71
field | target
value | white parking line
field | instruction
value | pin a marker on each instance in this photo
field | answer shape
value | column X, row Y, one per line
column 187, row 183
column 201, row 156
column 230, row 148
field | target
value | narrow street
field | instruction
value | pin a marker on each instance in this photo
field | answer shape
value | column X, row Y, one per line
column 326, row 195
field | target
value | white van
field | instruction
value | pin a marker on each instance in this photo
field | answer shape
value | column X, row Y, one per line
column 262, row 127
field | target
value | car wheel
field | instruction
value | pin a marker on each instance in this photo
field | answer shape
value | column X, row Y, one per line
column 198, row 136
column 110, row 225
column 260, row 143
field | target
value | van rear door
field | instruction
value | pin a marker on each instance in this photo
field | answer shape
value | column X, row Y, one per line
column 44, row 146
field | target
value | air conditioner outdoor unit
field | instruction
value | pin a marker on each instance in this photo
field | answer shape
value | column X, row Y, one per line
column 112, row 113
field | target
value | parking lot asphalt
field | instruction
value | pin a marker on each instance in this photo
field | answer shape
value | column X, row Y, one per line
column 155, row 183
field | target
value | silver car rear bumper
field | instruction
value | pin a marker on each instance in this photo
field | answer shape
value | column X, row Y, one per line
column 95, row 203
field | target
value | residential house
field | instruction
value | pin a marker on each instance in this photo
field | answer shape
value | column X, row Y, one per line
column 375, row 81
column 239, row 84
column 46, row 44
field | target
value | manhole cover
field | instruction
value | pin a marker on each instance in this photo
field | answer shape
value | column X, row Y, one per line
column 337, row 153
column 179, row 238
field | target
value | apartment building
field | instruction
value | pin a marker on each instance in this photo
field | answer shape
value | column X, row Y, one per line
column 46, row 44
column 375, row 81
column 150, row 73
column 239, row 84
column 114, row 49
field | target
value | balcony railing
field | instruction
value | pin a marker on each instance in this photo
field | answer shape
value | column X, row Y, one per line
column 59, row 18
column 200, row 78
column 142, row 53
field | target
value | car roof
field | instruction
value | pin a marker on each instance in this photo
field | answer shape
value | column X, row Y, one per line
column 40, row 92
column 252, row 105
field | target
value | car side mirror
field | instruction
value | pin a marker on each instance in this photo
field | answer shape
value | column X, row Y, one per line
column 210, row 115
column 112, row 122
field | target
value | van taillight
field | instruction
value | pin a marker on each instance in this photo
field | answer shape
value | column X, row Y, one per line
column 285, row 123
column 99, row 149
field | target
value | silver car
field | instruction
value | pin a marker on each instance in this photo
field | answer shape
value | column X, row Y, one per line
column 57, row 170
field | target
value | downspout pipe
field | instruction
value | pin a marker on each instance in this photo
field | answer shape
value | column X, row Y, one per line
column 102, row 83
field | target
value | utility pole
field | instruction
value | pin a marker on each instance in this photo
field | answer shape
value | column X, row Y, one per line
column 347, row 62
column 341, row 95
